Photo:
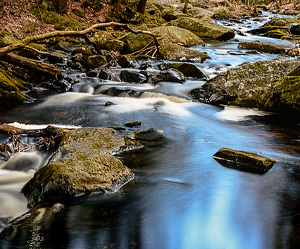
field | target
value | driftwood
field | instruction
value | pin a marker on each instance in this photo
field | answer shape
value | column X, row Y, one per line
column 46, row 139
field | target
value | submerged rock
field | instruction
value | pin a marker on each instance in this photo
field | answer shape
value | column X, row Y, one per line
column 204, row 28
column 251, row 84
column 82, row 164
column 244, row 161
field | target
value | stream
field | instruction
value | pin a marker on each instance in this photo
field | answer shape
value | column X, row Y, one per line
column 181, row 197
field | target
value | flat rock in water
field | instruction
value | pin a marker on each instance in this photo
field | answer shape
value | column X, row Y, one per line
column 244, row 161
column 82, row 164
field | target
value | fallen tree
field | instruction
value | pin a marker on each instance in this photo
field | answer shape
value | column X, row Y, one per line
column 7, row 55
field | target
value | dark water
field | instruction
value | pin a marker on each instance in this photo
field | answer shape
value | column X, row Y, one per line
column 180, row 197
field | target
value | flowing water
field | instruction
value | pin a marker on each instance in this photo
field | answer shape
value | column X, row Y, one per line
column 180, row 197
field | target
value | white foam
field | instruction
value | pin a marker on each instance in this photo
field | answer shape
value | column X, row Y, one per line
column 36, row 127
column 233, row 113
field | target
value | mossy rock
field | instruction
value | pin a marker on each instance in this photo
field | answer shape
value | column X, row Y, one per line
column 96, row 60
column 136, row 42
column 172, row 34
column 7, row 40
column 222, row 12
column 244, row 161
column 248, row 85
column 284, row 95
column 27, row 52
column 276, row 34
column 61, row 22
column 82, row 164
column 105, row 40
column 277, row 21
column 204, row 28
column 129, row 15
column 263, row 47
column 176, row 52
column 10, row 88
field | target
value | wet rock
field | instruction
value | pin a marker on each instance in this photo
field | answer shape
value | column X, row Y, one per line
column 84, row 50
column 132, row 76
column 46, row 218
column 148, row 137
column 295, row 29
column 293, row 52
column 127, row 60
column 92, row 73
column 57, row 57
column 204, row 28
column 177, row 52
column 64, row 46
column 244, row 161
column 105, row 74
column 263, row 47
column 246, row 85
column 82, row 164
column 177, row 35
column 171, row 75
column 188, row 69
column 96, row 60
column 109, row 103
column 113, row 91
column 133, row 123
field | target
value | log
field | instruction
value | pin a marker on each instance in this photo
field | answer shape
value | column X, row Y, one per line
column 35, row 65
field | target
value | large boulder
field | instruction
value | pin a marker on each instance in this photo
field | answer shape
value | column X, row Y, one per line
column 204, row 28
column 284, row 96
column 176, row 52
column 105, row 40
column 82, row 164
column 250, row 84
column 172, row 34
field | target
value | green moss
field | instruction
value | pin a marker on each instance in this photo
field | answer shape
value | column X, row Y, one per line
column 61, row 22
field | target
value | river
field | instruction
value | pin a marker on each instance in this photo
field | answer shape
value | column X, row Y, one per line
column 180, row 197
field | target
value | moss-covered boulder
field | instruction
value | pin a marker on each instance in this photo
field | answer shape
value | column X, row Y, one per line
column 105, row 40
column 248, row 85
column 82, row 164
column 176, row 52
column 96, row 61
column 262, row 47
column 244, row 161
column 136, row 42
column 172, row 34
column 284, row 95
column 204, row 28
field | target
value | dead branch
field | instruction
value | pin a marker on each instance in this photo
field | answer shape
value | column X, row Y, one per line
column 24, row 42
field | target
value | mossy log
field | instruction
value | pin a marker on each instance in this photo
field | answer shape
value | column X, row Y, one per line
column 35, row 65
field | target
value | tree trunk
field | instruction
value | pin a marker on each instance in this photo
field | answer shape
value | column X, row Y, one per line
column 142, row 6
